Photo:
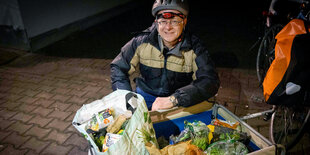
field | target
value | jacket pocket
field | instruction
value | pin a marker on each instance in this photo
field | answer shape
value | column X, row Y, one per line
column 182, row 79
column 149, row 73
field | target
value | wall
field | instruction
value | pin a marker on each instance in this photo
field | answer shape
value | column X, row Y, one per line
column 41, row 16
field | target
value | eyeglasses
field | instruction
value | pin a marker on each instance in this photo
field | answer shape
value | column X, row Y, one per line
column 171, row 22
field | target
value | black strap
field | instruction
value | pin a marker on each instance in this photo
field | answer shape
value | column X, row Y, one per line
column 90, row 148
column 307, row 98
column 128, row 97
column 306, row 26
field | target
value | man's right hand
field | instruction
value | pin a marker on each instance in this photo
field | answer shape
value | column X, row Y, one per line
column 162, row 103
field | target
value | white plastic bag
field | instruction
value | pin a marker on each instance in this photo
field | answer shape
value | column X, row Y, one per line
column 132, row 141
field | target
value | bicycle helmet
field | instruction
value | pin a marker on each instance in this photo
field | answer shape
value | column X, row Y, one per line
column 180, row 5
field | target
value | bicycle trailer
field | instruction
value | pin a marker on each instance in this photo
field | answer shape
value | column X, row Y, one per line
column 154, row 124
column 172, row 123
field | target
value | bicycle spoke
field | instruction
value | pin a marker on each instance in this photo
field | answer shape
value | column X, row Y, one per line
column 287, row 125
column 266, row 52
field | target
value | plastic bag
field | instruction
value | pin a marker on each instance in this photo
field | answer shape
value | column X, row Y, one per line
column 197, row 131
column 121, row 101
column 227, row 147
column 191, row 130
column 227, row 124
column 223, row 133
column 100, row 120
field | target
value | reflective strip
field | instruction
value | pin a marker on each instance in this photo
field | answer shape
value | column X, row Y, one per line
column 195, row 67
column 182, row 64
column 133, row 63
column 150, row 56
column 147, row 55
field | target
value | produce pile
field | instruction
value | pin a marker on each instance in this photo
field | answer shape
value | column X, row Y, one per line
column 218, row 138
column 106, row 129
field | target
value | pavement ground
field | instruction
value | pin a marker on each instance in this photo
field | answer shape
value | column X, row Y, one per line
column 39, row 96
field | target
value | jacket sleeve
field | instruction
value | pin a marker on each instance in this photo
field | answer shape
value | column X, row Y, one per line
column 206, row 83
column 121, row 66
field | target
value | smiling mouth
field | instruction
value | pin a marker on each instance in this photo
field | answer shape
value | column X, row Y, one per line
column 168, row 32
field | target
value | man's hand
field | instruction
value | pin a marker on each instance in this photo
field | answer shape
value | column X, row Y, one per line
column 161, row 103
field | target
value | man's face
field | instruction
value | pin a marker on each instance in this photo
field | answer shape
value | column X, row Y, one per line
column 170, row 29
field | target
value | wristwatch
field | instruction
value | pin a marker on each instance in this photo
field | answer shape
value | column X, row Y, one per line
column 173, row 100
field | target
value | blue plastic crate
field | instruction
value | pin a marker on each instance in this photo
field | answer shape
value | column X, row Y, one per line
column 175, row 126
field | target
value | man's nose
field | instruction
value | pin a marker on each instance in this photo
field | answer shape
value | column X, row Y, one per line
column 169, row 24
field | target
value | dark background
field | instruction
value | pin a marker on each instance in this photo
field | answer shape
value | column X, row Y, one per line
column 228, row 28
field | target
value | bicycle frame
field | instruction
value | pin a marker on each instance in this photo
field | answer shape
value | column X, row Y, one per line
column 258, row 114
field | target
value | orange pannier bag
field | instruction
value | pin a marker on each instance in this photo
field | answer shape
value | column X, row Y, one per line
column 287, row 79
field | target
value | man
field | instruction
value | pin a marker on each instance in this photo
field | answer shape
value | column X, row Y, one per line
column 175, row 68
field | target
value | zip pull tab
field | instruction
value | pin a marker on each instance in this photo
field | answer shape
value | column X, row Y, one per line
column 161, row 56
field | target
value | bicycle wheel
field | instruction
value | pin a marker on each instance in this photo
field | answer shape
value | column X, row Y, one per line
column 266, row 52
column 288, row 125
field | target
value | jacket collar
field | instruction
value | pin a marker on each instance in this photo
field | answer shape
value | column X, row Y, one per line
column 175, row 50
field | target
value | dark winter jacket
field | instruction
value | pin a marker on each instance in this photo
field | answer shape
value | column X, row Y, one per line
column 188, row 74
